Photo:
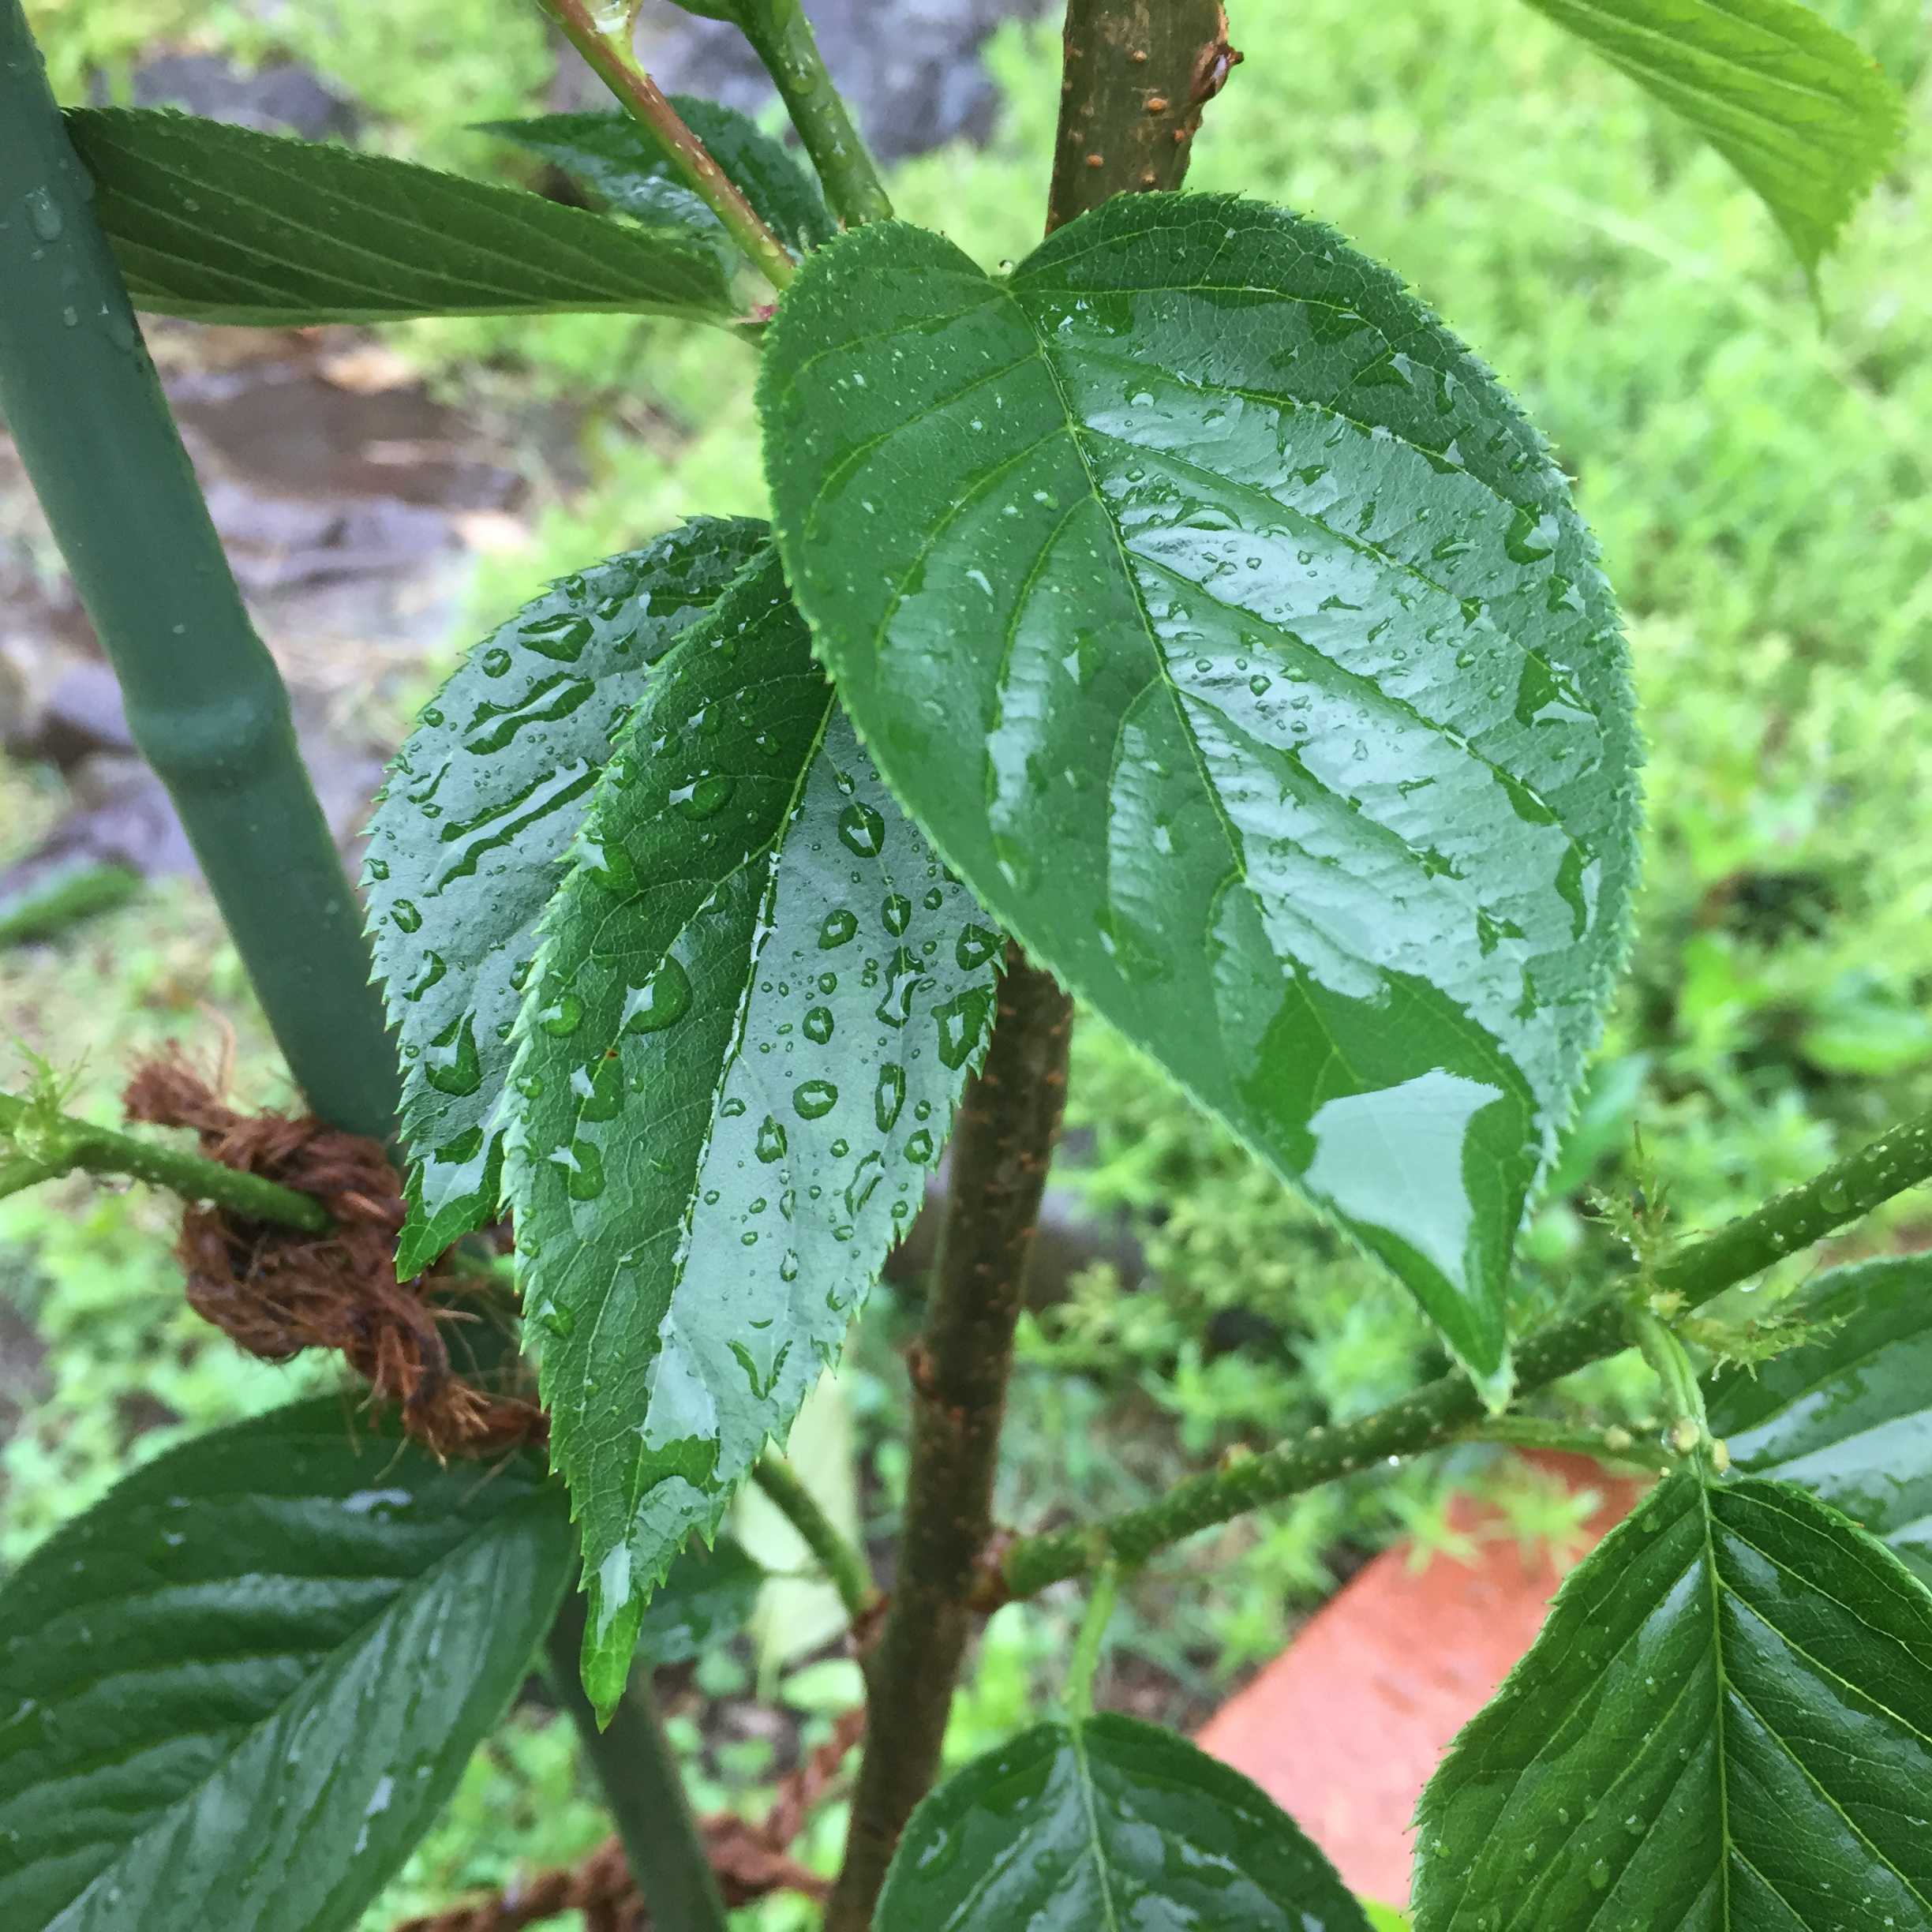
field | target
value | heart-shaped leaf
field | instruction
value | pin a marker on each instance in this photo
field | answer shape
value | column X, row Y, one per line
column 1726, row 1725
column 610, row 156
column 1230, row 633
column 235, row 1692
column 1107, row 1822
column 471, row 835
column 1849, row 1414
column 1804, row 115
column 224, row 224
column 757, row 1000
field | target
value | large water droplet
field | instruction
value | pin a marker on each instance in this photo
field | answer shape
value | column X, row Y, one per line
column 976, row 945
column 771, row 1140
column 562, row 1014
column 814, row 1098
column 704, row 798
column 896, row 912
column 460, row 1072
column 560, row 639
column 662, row 1001
column 889, row 1096
column 861, row 829
column 407, row 916
column 839, row 927
column 819, row 1025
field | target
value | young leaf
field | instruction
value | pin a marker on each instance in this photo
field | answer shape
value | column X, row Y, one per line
column 224, row 224
column 1229, row 632
column 237, row 1689
column 470, row 837
column 1804, row 115
column 1106, row 1822
column 1848, row 1415
column 610, row 154
column 1725, row 1724
column 757, row 1000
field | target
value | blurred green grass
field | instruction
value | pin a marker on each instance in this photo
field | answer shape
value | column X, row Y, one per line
column 1757, row 477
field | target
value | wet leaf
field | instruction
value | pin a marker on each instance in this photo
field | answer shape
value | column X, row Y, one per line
column 224, row 224
column 471, row 835
column 1849, row 1414
column 706, row 1598
column 235, row 1692
column 1232, row 636
column 1107, row 1822
column 757, row 1000
column 610, row 154
column 1804, row 115
column 1726, row 1725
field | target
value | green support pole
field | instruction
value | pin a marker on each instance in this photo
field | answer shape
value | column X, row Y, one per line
column 205, row 703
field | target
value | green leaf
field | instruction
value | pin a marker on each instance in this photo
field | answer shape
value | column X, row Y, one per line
column 224, row 224
column 611, row 155
column 708, row 1595
column 1804, row 115
column 237, row 1690
column 471, row 837
column 756, row 1003
column 1107, row 1823
column 1726, row 1725
column 1232, row 636
column 1848, row 1415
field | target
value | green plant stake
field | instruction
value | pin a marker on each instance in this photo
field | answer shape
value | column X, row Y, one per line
column 205, row 703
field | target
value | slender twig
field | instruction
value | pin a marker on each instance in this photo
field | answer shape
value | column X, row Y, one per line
column 609, row 57
column 643, row 1786
column 205, row 703
column 1002, row 1144
column 844, row 1566
column 782, row 38
column 1610, row 1444
column 1443, row 1410
column 48, row 1143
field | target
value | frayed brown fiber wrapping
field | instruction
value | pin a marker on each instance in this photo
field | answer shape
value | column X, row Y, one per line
column 275, row 1291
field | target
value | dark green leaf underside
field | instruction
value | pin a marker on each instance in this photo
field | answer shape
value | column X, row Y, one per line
column 1725, row 1726
column 708, row 1595
column 471, row 835
column 224, row 224
column 1848, row 1415
column 235, row 1692
column 1231, row 634
column 1102, row 1826
column 609, row 155
column 1804, row 115
column 757, row 1000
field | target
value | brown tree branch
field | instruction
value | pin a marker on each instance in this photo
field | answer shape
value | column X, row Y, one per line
column 1001, row 1145
column 1137, row 75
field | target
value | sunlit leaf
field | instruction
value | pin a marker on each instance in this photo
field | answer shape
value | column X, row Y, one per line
column 1804, row 115
column 1231, row 634
column 757, row 1000
column 471, row 835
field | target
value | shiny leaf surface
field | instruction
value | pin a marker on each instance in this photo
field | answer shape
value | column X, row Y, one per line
column 609, row 155
column 1725, row 1726
column 756, row 1003
column 1804, row 115
column 224, row 224
column 1234, row 637
column 235, row 1692
column 1848, row 1415
column 706, row 1599
column 1107, row 1823
column 471, row 837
